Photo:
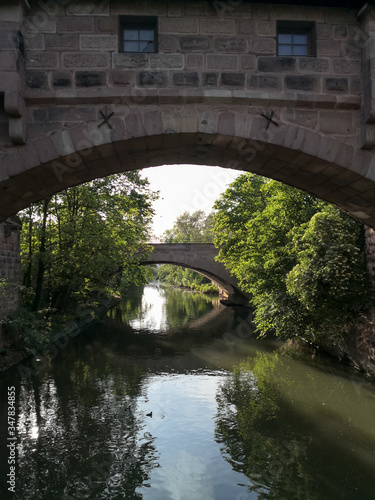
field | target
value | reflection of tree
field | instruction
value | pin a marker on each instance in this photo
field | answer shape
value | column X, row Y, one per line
column 271, row 456
column 183, row 307
column 88, row 440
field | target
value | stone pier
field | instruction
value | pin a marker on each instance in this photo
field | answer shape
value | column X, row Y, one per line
column 10, row 269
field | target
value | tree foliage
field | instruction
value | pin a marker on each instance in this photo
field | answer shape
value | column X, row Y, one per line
column 191, row 228
column 302, row 260
column 83, row 239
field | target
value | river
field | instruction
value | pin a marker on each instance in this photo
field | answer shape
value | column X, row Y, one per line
column 171, row 397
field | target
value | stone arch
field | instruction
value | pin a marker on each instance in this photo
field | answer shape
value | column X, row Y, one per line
column 231, row 137
column 199, row 257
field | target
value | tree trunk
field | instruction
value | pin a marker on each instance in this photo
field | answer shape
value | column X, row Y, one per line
column 41, row 258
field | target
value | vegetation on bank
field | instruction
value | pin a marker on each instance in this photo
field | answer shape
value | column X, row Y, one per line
column 302, row 260
column 77, row 247
column 188, row 228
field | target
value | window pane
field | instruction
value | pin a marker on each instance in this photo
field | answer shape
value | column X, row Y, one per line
column 284, row 38
column 300, row 50
column 131, row 46
column 130, row 34
column 285, row 50
column 300, row 39
column 146, row 35
column 149, row 47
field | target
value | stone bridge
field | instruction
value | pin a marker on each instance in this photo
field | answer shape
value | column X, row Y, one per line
column 199, row 257
column 285, row 89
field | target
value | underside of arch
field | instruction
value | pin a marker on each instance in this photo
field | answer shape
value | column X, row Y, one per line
column 226, row 289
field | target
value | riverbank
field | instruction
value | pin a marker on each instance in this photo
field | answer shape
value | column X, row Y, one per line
column 14, row 352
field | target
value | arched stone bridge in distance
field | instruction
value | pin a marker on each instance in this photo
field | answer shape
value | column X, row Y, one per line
column 199, row 257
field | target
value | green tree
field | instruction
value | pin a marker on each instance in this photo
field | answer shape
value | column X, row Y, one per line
column 271, row 237
column 83, row 239
column 191, row 228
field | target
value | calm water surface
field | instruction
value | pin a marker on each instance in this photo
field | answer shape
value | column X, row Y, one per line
column 147, row 405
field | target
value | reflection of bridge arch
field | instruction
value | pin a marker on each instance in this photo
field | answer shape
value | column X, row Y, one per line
column 199, row 257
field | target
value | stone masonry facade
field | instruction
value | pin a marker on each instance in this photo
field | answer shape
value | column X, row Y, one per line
column 72, row 58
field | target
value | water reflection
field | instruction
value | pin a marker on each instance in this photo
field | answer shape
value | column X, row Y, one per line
column 285, row 451
column 128, row 412
column 157, row 308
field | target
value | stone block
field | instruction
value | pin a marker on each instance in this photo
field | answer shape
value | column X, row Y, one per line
column 62, row 41
column 168, row 44
column 356, row 86
column 267, row 82
column 340, row 31
column 233, row 79
column 218, row 61
column 36, row 80
column 314, row 64
column 63, row 143
column 171, row 122
column 246, row 27
column 175, row 8
column 323, row 30
column 72, row 114
column 248, row 61
column 79, row 24
column 131, row 61
column 9, row 60
column 39, row 59
column 153, row 123
column 263, row 46
column 195, row 43
column 34, row 42
column 167, row 61
column 297, row 82
column 88, row 8
column 328, row 48
column 346, row 67
column 90, row 78
column 210, row 79
column 218, row 26
column 99, row 42
column 266, row 28
column 276, row 64
column 122, row 78
column 152, row 78
column 45, row 149
column 336, row 84
column 186, row 79
column 61, row 79
column 225, row 124
column 334, row 122
column 134, row 125
column 195, row 60
column 40, row 22
column 194, row 9
column 231, row 45
column 178, row 25
column 106, row 24
column 76, row 60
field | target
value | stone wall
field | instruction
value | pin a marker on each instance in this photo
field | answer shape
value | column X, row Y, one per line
column 72, row 58
column 370, row 252
column 10, row 270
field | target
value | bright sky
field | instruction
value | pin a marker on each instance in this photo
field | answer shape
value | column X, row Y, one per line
column 185, row 188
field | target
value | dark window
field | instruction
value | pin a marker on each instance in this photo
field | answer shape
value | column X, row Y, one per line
column 138, row 34
column 296, row 38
